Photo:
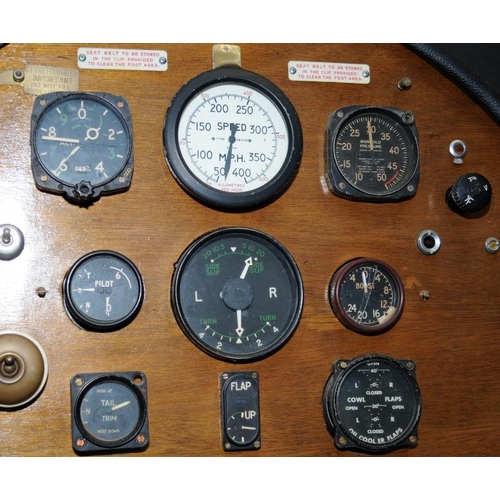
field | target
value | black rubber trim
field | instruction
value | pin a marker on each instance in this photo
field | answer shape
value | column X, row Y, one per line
column 474, row 68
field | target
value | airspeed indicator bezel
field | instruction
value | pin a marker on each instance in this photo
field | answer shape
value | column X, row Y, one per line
column 232, row 139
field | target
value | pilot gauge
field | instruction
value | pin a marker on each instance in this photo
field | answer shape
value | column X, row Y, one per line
column 232, row 139
column 103, row 291
column 237, row 294
column 372, row 153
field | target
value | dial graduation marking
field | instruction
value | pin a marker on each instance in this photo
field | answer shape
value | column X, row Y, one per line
column 215, row 123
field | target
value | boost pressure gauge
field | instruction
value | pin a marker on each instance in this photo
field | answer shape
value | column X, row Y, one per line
column 367, row 295
column 237, row 294
column 372, row 153
column 232, row 139
column 372, row 404
column 81, row 145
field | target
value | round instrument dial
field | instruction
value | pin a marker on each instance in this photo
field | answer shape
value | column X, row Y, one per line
column 109, row 411
column 372, row 153
column 367, row 295
column 237, row 294
column 232, row 139
column 103, row 291
column 372, row 403
column 81, row 144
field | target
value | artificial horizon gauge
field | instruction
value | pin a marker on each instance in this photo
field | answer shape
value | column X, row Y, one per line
column 81, row 145
column 232, row 139
column 372, row 404
column 372, row 154
column 103, row 291
column 367, row 295
column 237, row 294
column 109, row 412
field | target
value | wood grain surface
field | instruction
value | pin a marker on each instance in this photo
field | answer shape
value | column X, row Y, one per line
column 453, row 337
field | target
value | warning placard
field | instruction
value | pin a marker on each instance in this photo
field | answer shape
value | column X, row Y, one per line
column 309, row 71
column 125, row 59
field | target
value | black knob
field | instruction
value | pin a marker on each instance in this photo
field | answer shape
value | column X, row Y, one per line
column 471, row 193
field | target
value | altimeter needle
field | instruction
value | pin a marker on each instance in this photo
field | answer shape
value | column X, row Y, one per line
column 62, row 166
column 60, row 139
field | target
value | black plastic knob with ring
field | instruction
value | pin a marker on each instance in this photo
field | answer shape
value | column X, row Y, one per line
column 470, row 195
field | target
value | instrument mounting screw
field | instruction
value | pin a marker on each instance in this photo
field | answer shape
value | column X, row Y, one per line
column 405, row 83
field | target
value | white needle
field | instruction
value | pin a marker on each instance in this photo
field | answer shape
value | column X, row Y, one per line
column 365, row 284
column 370, row 133
column 64, row 160
column 240, row 329
column 121, row 405
column 60, row 139
column 248, row 263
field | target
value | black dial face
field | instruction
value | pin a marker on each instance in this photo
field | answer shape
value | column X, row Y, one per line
column 367, row 295
column 232, row 139
column 373, row 153
column 240, row 411
column 373, row 403
column 237, row 294
column 109, row 410
column 81, row 142
column 103, row 291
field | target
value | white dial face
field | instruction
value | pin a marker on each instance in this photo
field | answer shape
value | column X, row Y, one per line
column 233, row 138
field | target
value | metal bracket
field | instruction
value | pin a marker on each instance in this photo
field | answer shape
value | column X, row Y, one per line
column 224, row 54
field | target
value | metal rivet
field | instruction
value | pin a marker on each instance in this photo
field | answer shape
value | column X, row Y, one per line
column 405, row 83
column 18, row 75
column 492, row 245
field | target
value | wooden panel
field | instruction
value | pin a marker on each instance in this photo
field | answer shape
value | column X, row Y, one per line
column 453, row 337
